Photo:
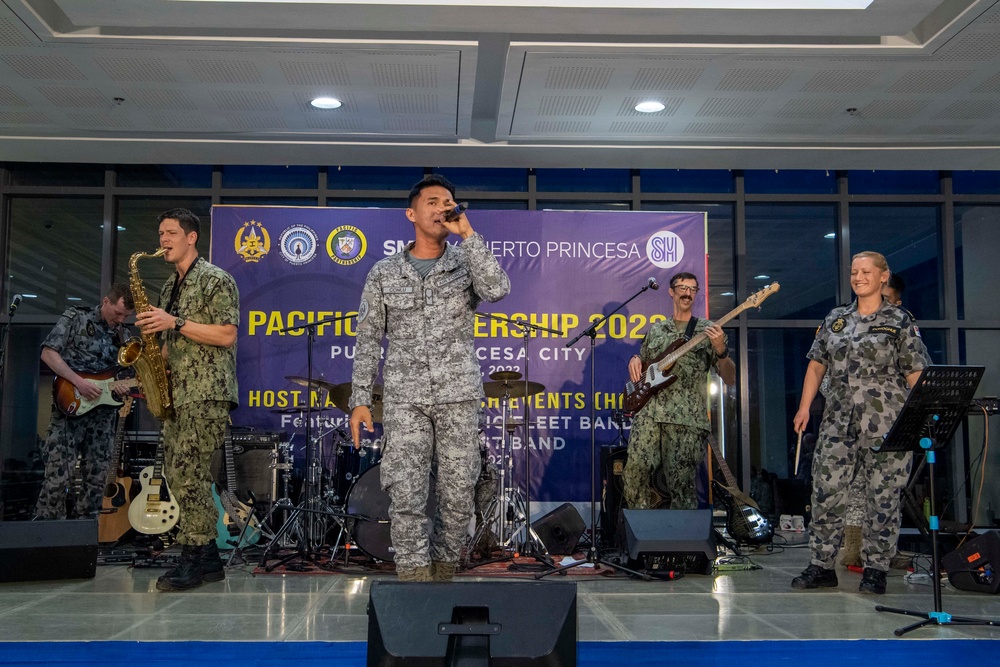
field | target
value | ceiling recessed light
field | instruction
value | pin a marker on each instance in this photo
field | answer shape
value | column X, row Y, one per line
column 831, row 235
column 120, row 228
column 650, row 107
column 727, row 294
column 30, row 296
column 762, row 277
column 326, row 103
column 73, row 298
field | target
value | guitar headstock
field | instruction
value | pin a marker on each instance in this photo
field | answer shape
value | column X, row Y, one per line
column 758, row 297
column 126, row 406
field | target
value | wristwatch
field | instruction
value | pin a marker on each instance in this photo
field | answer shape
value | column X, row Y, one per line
column 725, row 353
column 178, row 323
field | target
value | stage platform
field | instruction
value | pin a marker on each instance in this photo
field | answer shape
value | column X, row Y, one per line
column 729, row 618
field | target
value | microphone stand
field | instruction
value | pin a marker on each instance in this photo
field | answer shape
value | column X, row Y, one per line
column 311, row 541
column 593, row 557
column 533, row 546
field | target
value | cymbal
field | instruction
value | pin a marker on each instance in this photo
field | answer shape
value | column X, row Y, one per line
column 505, row 376
column 316, row 382
column 340, row 394
column 294, row 410
column 514, row 389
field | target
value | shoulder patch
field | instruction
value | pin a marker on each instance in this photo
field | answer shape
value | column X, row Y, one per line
column 885, row 329
column 363, row 310
column 91, row 329
column 838, row 325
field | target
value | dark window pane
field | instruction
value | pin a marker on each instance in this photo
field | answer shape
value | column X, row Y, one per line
column 164, row 176
column 269, row 201
column 936, row 341
column 48, row 173
column 583, row 180
column 789, row 181
column 686, row 180
column 484, row 180
column 910, row 239
column 373, row 178
column 977, row 247
column 721, row 252
column 55, row 252
column 569, row 205
column 979, row 347
column 866, row 182
column 366, row 203
column 497, row 205
column 786, row 243
column 975, row 182
column 776, row 365
column 138, row 231
column 240, row 176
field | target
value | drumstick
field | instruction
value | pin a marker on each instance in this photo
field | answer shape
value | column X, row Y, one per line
column 798, row 448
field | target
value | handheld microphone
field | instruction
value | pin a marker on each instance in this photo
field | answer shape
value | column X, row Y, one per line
column 456, row 213
column 653, row 284
column 14, row 304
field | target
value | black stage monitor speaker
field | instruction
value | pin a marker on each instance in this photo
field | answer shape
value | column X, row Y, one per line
column 497, row 623
column 33, row 550
column 681, row 540
column 973, row 566
column 560, row 529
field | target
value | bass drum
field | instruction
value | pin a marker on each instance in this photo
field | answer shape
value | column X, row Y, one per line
column 369, row 505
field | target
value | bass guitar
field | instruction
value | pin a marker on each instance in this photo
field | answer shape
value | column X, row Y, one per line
column 233, row 514
column 744, row 521
column 155, row 510
column 113, row 521
column 69, row 401
column 657, row 376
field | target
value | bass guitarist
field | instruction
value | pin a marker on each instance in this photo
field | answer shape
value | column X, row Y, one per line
column 84, row 340
column 672, row 428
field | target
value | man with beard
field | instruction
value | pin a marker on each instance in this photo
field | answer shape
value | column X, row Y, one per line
column 672, row 429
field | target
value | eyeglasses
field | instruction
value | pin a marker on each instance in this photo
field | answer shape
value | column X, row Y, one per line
column 684, row 289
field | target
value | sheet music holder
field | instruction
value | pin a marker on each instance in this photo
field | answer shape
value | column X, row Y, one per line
column 936, row 406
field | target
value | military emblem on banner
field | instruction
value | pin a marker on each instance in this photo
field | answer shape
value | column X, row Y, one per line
column 252, row 241
column 346, row 245
column 298, row 244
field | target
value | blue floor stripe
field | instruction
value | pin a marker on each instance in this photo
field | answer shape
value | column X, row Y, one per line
column 795, row 653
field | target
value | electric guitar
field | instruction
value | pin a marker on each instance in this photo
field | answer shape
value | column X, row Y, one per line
column 657, row 376
column 233, row 514
column 155, row 510
column 744, row 521
column 113, row 521
column 69, row 401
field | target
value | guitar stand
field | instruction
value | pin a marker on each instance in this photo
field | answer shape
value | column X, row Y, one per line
column 932, row 413
column 237, row 548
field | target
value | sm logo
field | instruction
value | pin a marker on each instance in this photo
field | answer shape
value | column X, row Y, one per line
column 665, row 250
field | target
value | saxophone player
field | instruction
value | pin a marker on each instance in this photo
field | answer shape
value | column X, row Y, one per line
column 197, row 321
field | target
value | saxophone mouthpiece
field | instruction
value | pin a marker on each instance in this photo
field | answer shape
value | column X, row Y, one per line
column 159, row 252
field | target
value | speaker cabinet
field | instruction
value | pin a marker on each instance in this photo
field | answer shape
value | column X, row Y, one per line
column 35, row 550
column 680, row 540
column 503, row 624
column 254, row 468
column 560, row 529
column 973, row 566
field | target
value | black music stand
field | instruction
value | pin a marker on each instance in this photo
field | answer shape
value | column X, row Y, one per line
column 935, row 408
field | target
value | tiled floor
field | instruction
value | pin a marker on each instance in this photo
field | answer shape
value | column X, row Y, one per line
column 122, row 604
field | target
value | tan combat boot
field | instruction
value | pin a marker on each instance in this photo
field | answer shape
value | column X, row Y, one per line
column 442, row 571
column 422, row 573
column 850, row 549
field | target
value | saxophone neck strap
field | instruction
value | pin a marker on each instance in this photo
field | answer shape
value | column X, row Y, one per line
column 177, row 286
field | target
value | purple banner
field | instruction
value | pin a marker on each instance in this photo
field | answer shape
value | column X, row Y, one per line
column 567, row 269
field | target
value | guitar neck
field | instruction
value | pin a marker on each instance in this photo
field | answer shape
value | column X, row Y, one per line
column 669, row 360
column 157, row 477
column 230, row 464
column 116, row 451
column 723, row 466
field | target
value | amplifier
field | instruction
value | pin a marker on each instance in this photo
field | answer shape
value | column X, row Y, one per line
column 252, row 438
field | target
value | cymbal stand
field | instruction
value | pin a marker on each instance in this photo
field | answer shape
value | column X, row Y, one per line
column 311, row 509
column 593, row 555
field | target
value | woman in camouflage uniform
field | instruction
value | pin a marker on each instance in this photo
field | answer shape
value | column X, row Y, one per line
column 873, row 354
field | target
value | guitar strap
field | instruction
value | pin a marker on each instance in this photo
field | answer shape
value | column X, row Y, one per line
column 689, row 331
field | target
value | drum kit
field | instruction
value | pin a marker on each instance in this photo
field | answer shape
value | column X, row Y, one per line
column 341, row 505
column 348, row 510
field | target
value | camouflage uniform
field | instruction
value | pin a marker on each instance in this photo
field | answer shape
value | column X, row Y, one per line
column 203, row 388
column 672, row 428
column 433, row 389
column 88, row 345
column 867, row 358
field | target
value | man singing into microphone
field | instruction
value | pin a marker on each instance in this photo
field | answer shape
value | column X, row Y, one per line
column 423, row 300
column 672, row 428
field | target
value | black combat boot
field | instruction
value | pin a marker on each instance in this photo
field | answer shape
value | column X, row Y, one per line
column 872, row 581
column 815, row 576
column 212, row 568
column 187, row 574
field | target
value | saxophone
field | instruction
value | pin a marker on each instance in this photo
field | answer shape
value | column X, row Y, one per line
column 143, row 351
